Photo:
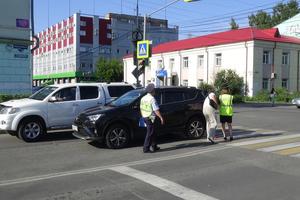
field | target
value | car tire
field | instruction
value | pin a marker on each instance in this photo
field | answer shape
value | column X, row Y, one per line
column 31, row 130
column 298, row 106
column 195, row 128
column 117, row 136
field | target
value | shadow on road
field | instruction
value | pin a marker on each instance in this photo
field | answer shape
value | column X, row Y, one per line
column 57, row 136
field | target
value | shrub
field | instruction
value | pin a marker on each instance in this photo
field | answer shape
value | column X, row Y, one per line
column 206, row 88
column 7, row 97
column 230, row 80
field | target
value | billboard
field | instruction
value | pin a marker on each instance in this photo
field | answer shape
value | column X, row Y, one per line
column 15, row 19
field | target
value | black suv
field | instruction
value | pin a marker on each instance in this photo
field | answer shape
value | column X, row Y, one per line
column 119, row 121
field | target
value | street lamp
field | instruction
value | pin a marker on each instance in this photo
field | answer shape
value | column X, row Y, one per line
column 163, row 7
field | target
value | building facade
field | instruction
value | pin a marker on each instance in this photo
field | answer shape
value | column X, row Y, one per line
column 15, row 55
column 70, row 49
column 158, row 31
column 264, row 59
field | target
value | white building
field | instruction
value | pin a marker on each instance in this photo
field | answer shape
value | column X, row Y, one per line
column 15, row 55
column 256, row 55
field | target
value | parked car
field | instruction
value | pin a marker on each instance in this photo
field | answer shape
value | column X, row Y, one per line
column 117, row 123
column 55, row 107
column 296, row 102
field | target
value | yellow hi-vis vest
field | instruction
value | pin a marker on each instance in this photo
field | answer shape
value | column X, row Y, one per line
column 146, row 105
column 226, row 105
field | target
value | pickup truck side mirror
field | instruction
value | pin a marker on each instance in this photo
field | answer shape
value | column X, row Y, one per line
column 53, row 99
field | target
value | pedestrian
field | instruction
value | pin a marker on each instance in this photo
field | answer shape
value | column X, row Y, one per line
column 272, row 96
column 209, row 110
column 226, row 112
column 149, row 111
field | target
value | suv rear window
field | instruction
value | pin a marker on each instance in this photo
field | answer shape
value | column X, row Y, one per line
column 88, row 92
column 173, row 96
column 118, row 90
column 190, row 94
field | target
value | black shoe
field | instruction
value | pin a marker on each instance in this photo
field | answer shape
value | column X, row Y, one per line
column 211, row 141
column 225, row 138
column 155, row 148
column 231, row 138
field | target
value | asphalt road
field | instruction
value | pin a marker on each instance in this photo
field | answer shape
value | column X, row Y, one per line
column 62, row 167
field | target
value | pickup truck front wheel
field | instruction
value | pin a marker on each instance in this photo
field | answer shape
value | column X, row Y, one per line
column 31, row 130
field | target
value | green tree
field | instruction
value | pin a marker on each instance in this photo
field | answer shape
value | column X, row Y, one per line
column 233, row 24
column 206, row 88
column 281, row 12
column 229, row 79
column 260, row 20
column 109, row 70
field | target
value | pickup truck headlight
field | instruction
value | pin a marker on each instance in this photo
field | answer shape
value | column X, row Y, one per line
column 94, row 118
column 9, row 110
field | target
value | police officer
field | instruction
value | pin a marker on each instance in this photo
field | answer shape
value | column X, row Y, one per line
column 226, row 112
column 149, row 111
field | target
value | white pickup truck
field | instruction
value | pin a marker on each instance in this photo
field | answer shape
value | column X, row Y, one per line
column 55, row 107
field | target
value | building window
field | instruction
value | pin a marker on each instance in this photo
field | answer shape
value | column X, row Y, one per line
column 82, row 23
column 218, row 59
column 159, row 64
column 108, row 26
column 186, row 62
column 265, row 83
column 172, row 64
column 185, row 83
column 199, row 82
column 284, row 83
column 118, row 51
column 285, row 58
column 127, row 51
column 200, row 61
column 82, row 65
column 108, row 35
column 266, row 57
column 82, row 33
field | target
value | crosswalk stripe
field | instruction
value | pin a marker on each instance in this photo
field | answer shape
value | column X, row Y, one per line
column 290, row 151
column 277, row 138
column 163, row 184
column 296, row 155
column 268, row 144
column 280, row 147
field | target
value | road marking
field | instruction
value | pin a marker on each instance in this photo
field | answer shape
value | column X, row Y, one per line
column 290, row 151
column 276, row 138
column 98, row 169
column 163, row 184
column 280, row 147
column 297, row 155
column 268, row 144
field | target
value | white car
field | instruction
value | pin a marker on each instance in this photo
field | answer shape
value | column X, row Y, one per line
column 296, row 102
column 55, row 107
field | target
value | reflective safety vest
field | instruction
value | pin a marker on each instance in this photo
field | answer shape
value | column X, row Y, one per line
column 226, row 105
column 146, row 105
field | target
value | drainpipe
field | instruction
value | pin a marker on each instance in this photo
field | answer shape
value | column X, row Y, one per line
column 273, row 64
column 246, row 74
column 298, row 70
column 207, row 67
column 180, row 66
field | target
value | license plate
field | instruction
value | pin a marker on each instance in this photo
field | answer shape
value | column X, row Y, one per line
column 74, row 128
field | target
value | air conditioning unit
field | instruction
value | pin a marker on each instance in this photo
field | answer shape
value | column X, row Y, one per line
column 273, row 75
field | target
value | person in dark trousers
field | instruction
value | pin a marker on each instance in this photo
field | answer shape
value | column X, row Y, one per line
column 149, row 111
column 272, row 96
column 226, row 112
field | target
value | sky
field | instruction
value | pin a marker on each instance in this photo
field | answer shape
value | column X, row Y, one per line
column 193, row 19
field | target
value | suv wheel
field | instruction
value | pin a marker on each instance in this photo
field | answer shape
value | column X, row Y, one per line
column 194, row 128
column 117, row 136
column 30, row 130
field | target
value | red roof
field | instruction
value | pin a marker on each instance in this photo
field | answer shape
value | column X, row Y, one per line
column 227, row 37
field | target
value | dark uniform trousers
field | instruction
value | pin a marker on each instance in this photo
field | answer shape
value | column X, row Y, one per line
column 150, row 139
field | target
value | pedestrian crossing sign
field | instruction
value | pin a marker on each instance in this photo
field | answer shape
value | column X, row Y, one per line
column 143, row 49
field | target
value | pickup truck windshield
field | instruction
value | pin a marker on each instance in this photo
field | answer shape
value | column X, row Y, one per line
column 127, row 98
column 43, row 93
